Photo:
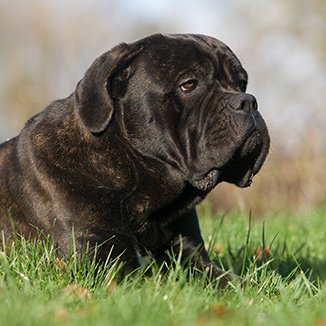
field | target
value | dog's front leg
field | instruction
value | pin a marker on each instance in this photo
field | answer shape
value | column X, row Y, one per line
column 188, row 244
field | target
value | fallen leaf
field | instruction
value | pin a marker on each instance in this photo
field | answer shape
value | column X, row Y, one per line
column 320, row 322
column 219, row 310
column 77, row 291
column 212, row 314
column 263, row 253
column 62, row 314
column 219, row 248
column 60, row 263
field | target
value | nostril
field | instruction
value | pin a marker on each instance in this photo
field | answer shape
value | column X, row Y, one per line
column 243, row 102
column 236, row 103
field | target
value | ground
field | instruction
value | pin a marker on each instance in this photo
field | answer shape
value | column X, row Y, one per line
column 282, row 259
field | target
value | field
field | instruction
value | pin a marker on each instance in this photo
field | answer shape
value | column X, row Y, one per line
column 283, row 259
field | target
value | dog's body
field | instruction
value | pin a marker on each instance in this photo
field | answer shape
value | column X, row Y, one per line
column 151, row 128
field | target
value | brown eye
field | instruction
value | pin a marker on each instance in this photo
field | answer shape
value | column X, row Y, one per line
column 189, row 85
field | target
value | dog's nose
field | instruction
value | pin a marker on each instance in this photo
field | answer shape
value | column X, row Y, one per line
column 243, row 102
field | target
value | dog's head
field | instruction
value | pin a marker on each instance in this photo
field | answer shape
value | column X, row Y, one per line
column 180, row 100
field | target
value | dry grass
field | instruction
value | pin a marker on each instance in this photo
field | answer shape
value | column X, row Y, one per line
column 287, row 182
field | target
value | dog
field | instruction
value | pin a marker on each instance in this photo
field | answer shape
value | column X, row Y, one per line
column 150, row 130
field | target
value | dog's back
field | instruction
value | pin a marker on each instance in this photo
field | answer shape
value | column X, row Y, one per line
column 6, row 202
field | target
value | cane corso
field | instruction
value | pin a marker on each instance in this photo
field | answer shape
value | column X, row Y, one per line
column 150, row 130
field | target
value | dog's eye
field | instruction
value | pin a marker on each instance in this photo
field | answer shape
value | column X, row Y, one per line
column 189, row 85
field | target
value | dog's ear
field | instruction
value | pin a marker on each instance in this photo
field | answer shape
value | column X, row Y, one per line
column 94, row 93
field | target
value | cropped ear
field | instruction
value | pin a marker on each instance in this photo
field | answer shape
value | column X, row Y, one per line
column 93, row 101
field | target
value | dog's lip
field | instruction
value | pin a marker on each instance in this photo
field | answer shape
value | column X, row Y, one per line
column 215, row 176
column 244, row 176
column 208, row 181
column 246, row 180
column 241, row 175
column 239, row 170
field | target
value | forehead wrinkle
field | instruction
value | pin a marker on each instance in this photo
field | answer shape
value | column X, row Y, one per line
column 175, row 63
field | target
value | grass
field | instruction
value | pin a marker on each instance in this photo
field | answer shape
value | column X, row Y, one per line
column 283, row 258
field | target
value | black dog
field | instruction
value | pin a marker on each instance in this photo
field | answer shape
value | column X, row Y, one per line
column 151, row 128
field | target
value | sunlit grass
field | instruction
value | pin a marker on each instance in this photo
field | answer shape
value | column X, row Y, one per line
column 282, row 259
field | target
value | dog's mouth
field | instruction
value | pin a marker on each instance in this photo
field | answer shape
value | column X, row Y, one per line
column 209, row 181
column 241, row 168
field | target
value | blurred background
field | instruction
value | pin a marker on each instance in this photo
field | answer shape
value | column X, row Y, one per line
column 46, row 46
